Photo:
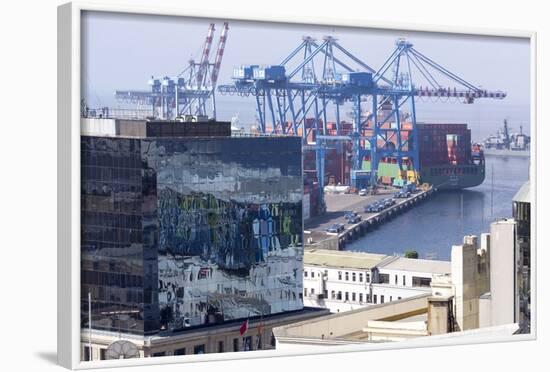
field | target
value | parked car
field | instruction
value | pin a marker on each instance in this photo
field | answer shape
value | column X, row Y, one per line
column 336, row 228
column 363, row 192
column 349, row 215
column 402, row 194
column 354, row 219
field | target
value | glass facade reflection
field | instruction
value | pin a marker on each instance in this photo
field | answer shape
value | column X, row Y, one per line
column 181, row 232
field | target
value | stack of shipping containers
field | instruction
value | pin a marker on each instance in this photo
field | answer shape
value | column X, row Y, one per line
column 444, row 144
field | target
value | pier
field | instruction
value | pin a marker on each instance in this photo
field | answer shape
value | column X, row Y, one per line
column 315, row 229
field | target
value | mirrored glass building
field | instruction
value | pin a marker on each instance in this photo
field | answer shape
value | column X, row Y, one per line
column 184, row 226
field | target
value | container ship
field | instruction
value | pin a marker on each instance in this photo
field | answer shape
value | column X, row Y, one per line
column 448, row 160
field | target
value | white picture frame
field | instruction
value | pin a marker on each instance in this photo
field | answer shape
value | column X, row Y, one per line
column 69, row 95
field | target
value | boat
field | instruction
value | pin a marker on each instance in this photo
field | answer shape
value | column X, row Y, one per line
column 508, row 144
column 448, row 160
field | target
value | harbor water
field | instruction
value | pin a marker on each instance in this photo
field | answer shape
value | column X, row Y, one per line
column 432, row 227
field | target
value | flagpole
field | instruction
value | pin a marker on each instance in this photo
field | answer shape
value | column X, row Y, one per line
column 244, row 328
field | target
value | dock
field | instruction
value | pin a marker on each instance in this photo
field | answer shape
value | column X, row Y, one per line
column 316, row 236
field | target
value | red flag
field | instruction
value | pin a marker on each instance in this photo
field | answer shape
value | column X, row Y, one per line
column 244, row 327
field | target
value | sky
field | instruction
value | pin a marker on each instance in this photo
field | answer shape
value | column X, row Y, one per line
column 122, row 51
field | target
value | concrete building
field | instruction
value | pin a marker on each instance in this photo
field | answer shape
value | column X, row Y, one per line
column 465, row 279
column 485, row 278
column 505, row 272
column 508, row 294
column 216, row 338
column 406, row 322
column 344, row 281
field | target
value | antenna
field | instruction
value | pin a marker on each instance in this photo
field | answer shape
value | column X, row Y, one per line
column 122, row 349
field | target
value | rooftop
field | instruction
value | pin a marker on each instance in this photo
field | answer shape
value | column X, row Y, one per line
column 348, row 327
column 135, row 128
column 343, row 259
column 364, row 260
column 417, row 265
column 524, row 193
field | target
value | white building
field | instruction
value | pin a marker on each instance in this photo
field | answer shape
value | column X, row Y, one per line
column 343, row 281
column 505, row 273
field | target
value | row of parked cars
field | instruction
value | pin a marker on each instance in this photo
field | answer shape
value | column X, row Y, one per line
column 380, row 205
column 377, row 206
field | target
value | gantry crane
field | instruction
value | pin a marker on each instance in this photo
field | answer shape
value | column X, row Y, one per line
column 316, row 77
column 189, row 92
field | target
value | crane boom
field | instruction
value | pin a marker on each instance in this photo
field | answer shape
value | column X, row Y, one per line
column 205, row 55
column 219, row 54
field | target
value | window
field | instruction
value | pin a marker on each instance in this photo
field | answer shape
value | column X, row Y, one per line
column 87, row 353
column 421, row 282
column 312, row 291
column 347, row 276
column 325, row 294
column 305, row 291
column 361, row 277
column 199, row 349
column 313, row 274
column 375, row 299
column 332, row 295
column 353, row 277
column 339, row 275
column 305, row 274
column 102, row 354
column 339, row 297
column 368, row 298
column 384, row 278
column 181, row 351
column 404, row 283
column 367, row 277
column 247, row 343
column 353, row 296
column 159, row 354
column 235, row 344
column 396, row 279
column 360, row 297
column 220, row 347
column 259, row 342
column 398, row 298
column 382, row 299
column 391, row 299
column 347, row 296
